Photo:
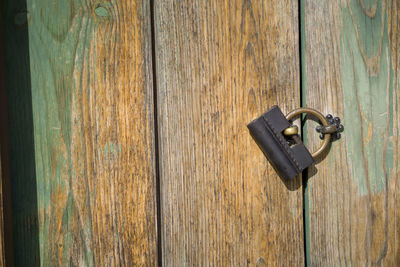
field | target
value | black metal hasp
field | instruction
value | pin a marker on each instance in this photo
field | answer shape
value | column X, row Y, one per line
column 287, row 154
column 281, row 144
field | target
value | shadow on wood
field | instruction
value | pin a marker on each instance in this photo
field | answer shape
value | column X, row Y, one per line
column 312, row 170
column 21, row 136
column 292, row 184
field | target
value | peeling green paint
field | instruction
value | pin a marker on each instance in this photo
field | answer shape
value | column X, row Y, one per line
column 367, row 80
column 45, row 49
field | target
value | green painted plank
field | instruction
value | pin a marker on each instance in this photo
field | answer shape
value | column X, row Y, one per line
column 351, row 68
column 81, row 126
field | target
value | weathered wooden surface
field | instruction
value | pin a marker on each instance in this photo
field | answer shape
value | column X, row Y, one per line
column 351, row 68
column 219, row 65
column 86, row 74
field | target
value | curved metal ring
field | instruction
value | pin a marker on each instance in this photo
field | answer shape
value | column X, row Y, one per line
column 318, row 115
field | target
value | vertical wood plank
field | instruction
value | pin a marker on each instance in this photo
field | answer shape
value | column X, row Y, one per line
column 351, row 68
column 219, row 65
column 88, row 69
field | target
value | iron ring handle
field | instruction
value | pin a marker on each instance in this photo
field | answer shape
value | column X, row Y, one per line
column 322, row 119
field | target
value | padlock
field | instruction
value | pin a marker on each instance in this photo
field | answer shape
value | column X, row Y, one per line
column 283, row 148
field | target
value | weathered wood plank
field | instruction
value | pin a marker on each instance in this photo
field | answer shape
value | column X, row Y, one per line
column 88, row 81
column 351, row 67
column 219, row 65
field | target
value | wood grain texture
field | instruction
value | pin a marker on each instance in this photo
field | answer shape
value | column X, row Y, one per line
column 219, row 65
column 351, row 68
column 89, row 84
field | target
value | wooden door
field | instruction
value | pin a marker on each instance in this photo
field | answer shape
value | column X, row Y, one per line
column 127, row 142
